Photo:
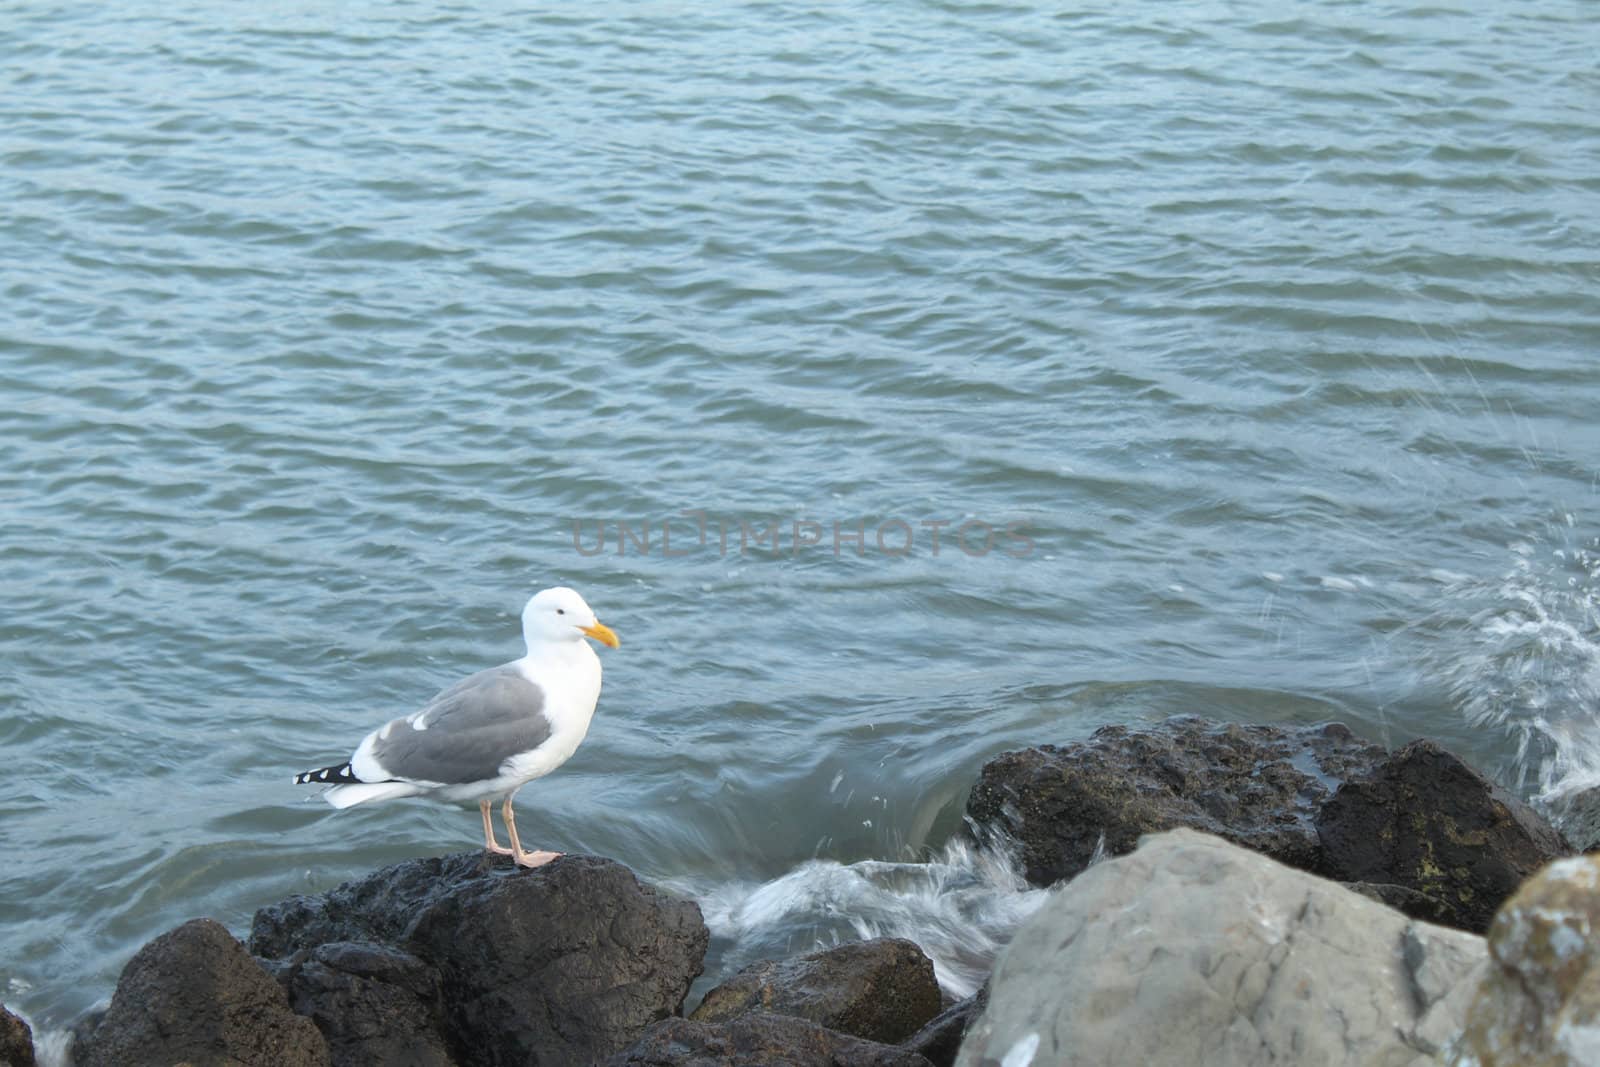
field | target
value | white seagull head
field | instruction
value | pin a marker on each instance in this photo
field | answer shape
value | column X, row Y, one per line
column 560, row 614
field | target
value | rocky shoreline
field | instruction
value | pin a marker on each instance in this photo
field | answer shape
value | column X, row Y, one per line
column 1227, row 894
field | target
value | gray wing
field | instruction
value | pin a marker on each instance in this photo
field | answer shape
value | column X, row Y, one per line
column 467, row 731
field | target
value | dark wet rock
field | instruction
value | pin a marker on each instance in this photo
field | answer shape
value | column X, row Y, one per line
column 194, row 995
column 940, row 1040
column 82, row 1031
column 377, row 908
column 566, row 963
column 1426, row 821
column 1256, row 785
column 16, row 1041
column 882, row 990
column 373, row 1003
column 758, row 1038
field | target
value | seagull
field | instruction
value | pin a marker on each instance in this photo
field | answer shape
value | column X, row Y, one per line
column 492, row 732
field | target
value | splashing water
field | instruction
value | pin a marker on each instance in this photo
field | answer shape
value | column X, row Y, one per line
column 52, row 1048
column 1531, row 664
column 961, row 907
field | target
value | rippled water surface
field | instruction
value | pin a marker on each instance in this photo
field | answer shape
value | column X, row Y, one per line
column 1242, row 364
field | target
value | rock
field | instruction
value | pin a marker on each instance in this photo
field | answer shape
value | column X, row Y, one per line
column 1539, row 1003
column 1426, row 821
column 882, row 990
column 1577, row 814
column 758, row 1038
column 194, row 995
column 373, row 1003
column 1259, row 786
column 16, row 1041
column 377, row 908
column 1192, row 951
column 940, row 1040
column 1399, row 897
column 81, row 1033
column 566, row 963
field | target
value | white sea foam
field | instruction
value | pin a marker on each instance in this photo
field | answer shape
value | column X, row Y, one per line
column 52, row 1048
column 1528, row 660
column 961, row 907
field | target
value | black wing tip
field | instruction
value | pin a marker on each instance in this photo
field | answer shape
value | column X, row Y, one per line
column 338, row 774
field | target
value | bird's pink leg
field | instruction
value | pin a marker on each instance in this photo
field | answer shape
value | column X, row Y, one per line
column 488, row 832
column 526, row 859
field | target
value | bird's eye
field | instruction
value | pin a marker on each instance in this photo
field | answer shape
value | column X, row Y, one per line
column 561, row 611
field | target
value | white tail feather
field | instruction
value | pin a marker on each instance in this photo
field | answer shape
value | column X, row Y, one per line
column 343, row 796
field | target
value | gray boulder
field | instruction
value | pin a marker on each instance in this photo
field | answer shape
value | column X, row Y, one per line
column 758, row 1038
column 474, row 961
column 1539, row 1004
column 1577, row 814
column 883, row 990
column 194, row 995
column 1425, row 821
column 1192, row 951
column 16, row 1041
column 1259, row 786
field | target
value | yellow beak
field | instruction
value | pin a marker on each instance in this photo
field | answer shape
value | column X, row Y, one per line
column 602, row 633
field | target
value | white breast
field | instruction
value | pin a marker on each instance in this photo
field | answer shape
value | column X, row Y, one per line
column 571, row 682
